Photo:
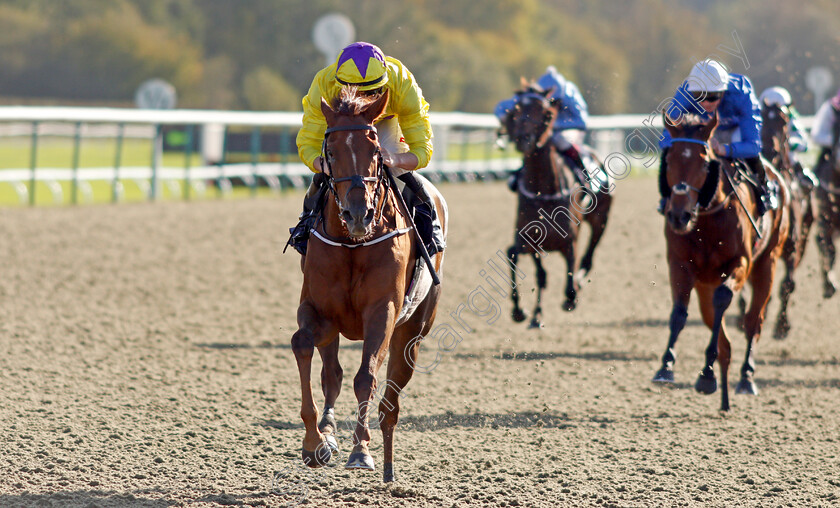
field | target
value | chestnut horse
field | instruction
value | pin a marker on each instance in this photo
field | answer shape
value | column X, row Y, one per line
column 775, row 147
column 828, row 212
column 356, row 275
column 552, row 204
column 714, row 249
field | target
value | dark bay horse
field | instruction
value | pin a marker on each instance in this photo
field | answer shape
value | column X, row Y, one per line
column 356, row 275
column 714, row 249
column 552, row 204
column 775, row 133
column 828, row 212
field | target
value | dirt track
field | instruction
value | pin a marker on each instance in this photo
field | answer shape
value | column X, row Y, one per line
column 146, row 362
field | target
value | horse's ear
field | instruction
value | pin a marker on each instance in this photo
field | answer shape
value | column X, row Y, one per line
column 524, row 83
column 548, row 93
column 709, row 127
column 328, row 112
column 376, row 108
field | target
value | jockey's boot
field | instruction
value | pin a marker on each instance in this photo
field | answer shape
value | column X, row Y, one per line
column 579, row 167
column 312, row 204
column 513, row 180
column 807, row 178
column 664, row 190
column 767, row 199
column 425, row 215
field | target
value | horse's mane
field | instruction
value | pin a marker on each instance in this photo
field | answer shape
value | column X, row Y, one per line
column 351, row 102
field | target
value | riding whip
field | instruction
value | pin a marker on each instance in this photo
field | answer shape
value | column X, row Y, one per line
column 421, row 246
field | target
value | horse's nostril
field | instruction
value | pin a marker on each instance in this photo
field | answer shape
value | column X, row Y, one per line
column 369, row 215
column 347, row 216
column 686, row 217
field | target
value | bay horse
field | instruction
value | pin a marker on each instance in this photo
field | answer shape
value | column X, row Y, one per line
column 714, row 249
column 775, row 147
column 828, row 212
column 549, row 200
column 356, row 275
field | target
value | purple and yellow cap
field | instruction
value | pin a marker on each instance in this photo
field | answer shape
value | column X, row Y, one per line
column 361, row 64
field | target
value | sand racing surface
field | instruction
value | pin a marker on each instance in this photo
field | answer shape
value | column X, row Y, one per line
column 145, row 360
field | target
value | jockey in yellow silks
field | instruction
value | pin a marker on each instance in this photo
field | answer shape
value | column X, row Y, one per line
column 405, row 133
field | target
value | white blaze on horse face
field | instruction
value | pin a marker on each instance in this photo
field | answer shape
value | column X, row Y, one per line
column 349, row 143
column 687, row 153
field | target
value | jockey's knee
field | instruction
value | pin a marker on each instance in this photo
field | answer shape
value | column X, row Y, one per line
column 560, row 141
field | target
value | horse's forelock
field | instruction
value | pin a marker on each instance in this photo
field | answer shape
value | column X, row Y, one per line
column 692, row 122
column 350, row 102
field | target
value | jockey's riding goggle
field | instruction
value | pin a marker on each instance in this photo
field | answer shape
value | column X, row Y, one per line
column 702, row 96
column 375, row 91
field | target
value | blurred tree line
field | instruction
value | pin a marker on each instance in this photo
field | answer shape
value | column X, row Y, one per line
column 625, row 56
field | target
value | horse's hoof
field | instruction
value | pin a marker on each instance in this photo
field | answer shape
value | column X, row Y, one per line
column 320, row 457
column 746, row 386
column 569, row 305
column 518, row 315
column 664, row 376
column 535, row 323
column 707, row 385
column 388, row 472
column 829, row 289
column 360, row 460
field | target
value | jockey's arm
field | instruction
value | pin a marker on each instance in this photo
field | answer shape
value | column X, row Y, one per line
column 407, row 161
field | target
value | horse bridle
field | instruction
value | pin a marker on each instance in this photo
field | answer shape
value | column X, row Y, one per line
column 357, row 181
column 683, row 187
column 546, row 102
column 779, row 158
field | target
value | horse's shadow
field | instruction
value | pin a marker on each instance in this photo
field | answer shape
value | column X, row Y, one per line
column 639, row 323
column 89, row 498
column 347, row 344
column 602, row 356
column 798, row 383
column 517, row 420
column 449, row 419
column 275, row 424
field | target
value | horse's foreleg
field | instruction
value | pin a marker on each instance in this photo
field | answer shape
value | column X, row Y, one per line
column 786, row 289
column 808, row 204
column 542, row 279
column 719, row 343
column 518, row 315
column 827, row 255
column 403, row 355
column 379, row 326
column 706, row 382
column 761, row 279
column 331, row 377
column 682, row 281
column 571, row 284
column 706, row 300
column 598, row 222
column 316, row 451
